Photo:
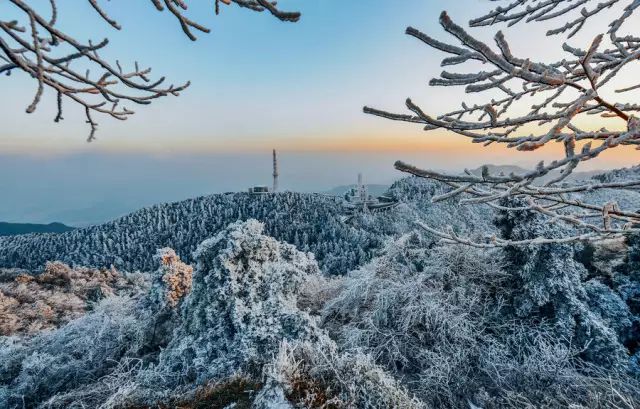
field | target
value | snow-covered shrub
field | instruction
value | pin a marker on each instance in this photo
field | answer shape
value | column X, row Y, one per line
column 173, row 280
column 317, row 375
column 448, row 321
column 530, row 367
column 242, row 305
column 316, row 291
column 31, row 302
column 110, row 391
column 419, row 313
column 79, row 353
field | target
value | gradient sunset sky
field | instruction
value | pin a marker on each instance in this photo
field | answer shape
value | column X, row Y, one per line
column 258, row 82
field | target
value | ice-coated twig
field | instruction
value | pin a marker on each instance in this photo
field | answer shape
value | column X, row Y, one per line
column 560, row 94
column 576, row 12
column 50, row 55
column 491, row 242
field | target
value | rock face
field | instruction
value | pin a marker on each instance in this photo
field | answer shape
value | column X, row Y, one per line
column 609, row 255
column 242, row 305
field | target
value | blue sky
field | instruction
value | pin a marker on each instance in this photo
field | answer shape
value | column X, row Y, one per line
column 254, row 78
column 258, row 82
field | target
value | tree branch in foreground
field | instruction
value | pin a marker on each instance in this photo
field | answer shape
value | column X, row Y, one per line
column 534, row 104
column 57, row 61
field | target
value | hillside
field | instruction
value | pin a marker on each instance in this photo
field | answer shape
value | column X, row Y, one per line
column 312, row 222
column 251, row 322
column 10, row 229
column 307, row 220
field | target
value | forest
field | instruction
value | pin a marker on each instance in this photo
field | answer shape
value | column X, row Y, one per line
column 411, row 323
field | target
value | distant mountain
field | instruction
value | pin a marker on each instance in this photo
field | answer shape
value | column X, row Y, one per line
column 618, row 175
column 11, row 229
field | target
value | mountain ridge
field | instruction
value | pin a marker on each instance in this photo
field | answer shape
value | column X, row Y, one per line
column 313, row 222
column 11, row 229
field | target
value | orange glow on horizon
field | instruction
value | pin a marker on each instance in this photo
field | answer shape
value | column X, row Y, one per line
column 440, row 144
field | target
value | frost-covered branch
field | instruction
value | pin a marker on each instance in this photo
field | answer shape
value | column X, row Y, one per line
column 58, row 62
column 450, row 237
column 537, row 103
column 577, row 12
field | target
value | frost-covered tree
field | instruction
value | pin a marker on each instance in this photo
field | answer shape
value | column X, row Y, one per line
column 549, row 286
column 130, row 242
column 88, row 349
column 319, row 375
column 459, row 325
column 242, row 305
column 531, row 104
column 37, row 46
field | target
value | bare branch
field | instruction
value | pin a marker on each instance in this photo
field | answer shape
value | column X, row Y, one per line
column 49, row 55
column 559, row 93
column 546, row 10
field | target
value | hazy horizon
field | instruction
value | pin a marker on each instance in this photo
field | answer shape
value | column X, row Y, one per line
column 85, row 188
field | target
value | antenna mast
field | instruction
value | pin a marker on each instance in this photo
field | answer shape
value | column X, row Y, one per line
column 275, row 171
column 362, row 188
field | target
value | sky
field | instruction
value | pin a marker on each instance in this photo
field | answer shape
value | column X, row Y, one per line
column 257, row 84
